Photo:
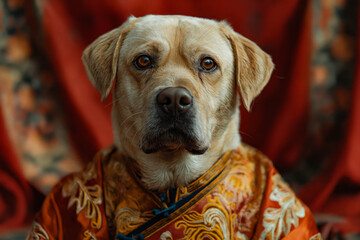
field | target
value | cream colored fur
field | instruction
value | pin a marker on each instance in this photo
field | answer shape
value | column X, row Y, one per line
column 177, row 42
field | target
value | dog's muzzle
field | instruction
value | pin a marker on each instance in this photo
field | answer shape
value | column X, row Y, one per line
column 172, row 125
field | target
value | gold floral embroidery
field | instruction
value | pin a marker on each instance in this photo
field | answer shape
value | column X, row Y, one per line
column 316, row 237
column 278, row 221
column 37, row 233
column 240, row 195
column 85, row 197
column 212, row 223
column 166, row 236
column 241, row 236
column 88, row 235
column 129, row 219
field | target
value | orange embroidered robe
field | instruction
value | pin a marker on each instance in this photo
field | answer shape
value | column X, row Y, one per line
column 241, row 197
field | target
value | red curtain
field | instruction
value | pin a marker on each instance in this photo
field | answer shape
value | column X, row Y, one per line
column 281, row 28
column 279, row 120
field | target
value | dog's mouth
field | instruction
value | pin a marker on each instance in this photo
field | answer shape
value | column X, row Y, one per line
column 172, row 140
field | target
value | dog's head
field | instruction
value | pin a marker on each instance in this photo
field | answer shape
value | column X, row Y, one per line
column 175, row 94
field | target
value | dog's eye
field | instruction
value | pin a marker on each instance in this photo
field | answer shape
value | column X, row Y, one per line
column 143, row 62
column 208, row 64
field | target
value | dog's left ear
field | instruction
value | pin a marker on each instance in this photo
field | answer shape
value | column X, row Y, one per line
column 100, row 58
column 253, row 67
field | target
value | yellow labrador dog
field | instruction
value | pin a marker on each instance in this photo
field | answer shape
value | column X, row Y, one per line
column 175, row 100
column 177, row 169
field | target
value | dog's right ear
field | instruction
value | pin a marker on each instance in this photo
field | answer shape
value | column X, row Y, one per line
column 100, row 58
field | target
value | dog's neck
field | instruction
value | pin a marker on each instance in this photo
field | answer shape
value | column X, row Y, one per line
column 162, row 170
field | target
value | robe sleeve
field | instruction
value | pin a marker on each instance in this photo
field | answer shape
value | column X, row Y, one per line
column 47, row 224
column 282, row 214
column 73, row 209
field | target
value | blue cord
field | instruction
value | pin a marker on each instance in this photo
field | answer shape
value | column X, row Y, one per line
column 123, row 237
column 164, row 211
column 163, row 197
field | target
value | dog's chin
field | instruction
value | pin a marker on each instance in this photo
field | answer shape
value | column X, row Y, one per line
column 172, row 141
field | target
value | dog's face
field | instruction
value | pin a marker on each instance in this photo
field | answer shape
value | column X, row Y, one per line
column 178, row 79
column 175, row 99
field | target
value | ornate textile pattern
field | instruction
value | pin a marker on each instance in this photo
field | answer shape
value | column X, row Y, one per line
column 239, row 193
column 30, row 101
column 279, row 221
column 37, row 233
column 331, row 80
column 128, row 219
column 166, row 236
column 85, row 197
column 88, row 235
column 212, row 223
column 316, row 237
column 240, row 197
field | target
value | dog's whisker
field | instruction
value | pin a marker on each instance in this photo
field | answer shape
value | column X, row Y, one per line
column 129, row 128
column 112, row 102
column 246, row 134
column 129, row 118
column 120, row 98
column 139, row 141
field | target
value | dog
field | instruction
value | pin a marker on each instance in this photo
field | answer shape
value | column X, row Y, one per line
column 177, row 169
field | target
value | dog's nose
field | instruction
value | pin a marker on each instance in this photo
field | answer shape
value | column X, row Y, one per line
column 174, row 100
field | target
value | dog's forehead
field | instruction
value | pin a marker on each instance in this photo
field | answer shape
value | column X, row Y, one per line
column 174, row 20
column 171, row 28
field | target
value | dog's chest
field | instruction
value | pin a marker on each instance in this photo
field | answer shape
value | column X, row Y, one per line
column 226, row 192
